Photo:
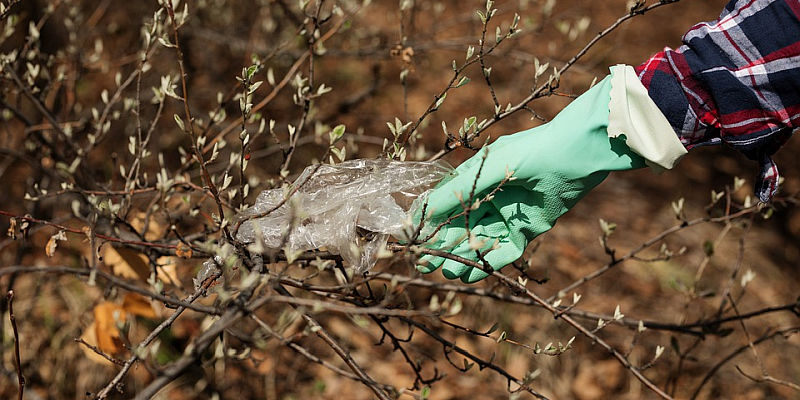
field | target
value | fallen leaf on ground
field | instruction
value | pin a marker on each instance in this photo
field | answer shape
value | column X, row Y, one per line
column 127, row 263
column 137, row 304
column 106, row 315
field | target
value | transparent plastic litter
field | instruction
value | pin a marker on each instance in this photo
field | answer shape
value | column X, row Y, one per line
column 208, row 269
column 349, row 208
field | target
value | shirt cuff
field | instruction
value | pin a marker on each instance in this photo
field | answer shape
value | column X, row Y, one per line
column 634, row 114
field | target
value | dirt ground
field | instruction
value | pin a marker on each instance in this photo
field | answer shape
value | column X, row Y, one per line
column 362, row 61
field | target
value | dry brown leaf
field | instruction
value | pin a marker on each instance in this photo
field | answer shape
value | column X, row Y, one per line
column 183, row 251
column 168, row 270
column 104, row 333
column 50, row 247
column 106, row 315
column 90, row 336
column 155, row 228
column 12, row 228
column 136, row 304
column 88, row 232
column 127, row 263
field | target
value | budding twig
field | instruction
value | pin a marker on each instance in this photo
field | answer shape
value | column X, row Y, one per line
column 17, row 362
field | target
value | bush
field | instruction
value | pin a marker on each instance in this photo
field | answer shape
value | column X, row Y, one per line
column 134, row 133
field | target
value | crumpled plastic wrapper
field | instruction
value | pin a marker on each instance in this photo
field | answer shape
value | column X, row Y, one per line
column 210, row 266
column 349, row 208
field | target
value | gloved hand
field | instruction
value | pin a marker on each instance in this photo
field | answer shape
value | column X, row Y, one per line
column 555, row 165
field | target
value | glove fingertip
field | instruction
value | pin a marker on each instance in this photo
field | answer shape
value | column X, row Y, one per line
column 428, row 263
column 450, row 274
column 474, row 275
column 452, row 269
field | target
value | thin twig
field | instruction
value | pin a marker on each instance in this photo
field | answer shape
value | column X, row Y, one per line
column 17, row 361
column 737, row 267
column 694, row 328
column 649, row 243
column 100, row 353
column 45, row 112
column 149, row 339
column 544, row 88
column 771, row 379
column 713, row 370
column 113, row 280
column 8, row 9
column 232, row 314
column 547, row 305
column 348, row 310
column 275, row 90
column 340, row 351
column 586, row 332
column 452, row 346
column 81, row 232
column 313, row 358
column 765, row 375
column 189, row 130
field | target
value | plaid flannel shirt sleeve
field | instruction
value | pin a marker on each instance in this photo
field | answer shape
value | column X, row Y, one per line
column 735, row 80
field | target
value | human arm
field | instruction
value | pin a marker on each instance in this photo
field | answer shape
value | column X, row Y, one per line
column 705, row 92
column 736, row 81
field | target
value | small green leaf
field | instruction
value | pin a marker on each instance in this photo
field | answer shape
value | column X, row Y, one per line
column 251, row 70
column 439, row 102
column 607, row 227
column 482, row 17
column 425, row 392
column 336, row 133
column 255, row 86
column 179, row 121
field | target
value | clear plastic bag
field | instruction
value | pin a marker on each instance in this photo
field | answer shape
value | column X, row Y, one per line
column 349, row 208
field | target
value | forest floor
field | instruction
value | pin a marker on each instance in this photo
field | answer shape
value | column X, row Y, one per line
column 363, row 63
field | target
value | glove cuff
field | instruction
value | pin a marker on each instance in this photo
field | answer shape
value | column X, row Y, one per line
column 634, row 114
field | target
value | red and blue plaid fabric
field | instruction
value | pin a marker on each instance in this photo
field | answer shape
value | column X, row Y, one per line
column 735, row 80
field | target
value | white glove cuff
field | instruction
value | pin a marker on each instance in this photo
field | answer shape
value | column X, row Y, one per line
column 634, row 114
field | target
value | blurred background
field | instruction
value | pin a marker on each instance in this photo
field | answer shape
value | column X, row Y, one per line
column 383, row 60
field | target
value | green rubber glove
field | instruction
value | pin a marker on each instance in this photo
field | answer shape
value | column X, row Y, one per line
column 555, row 165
